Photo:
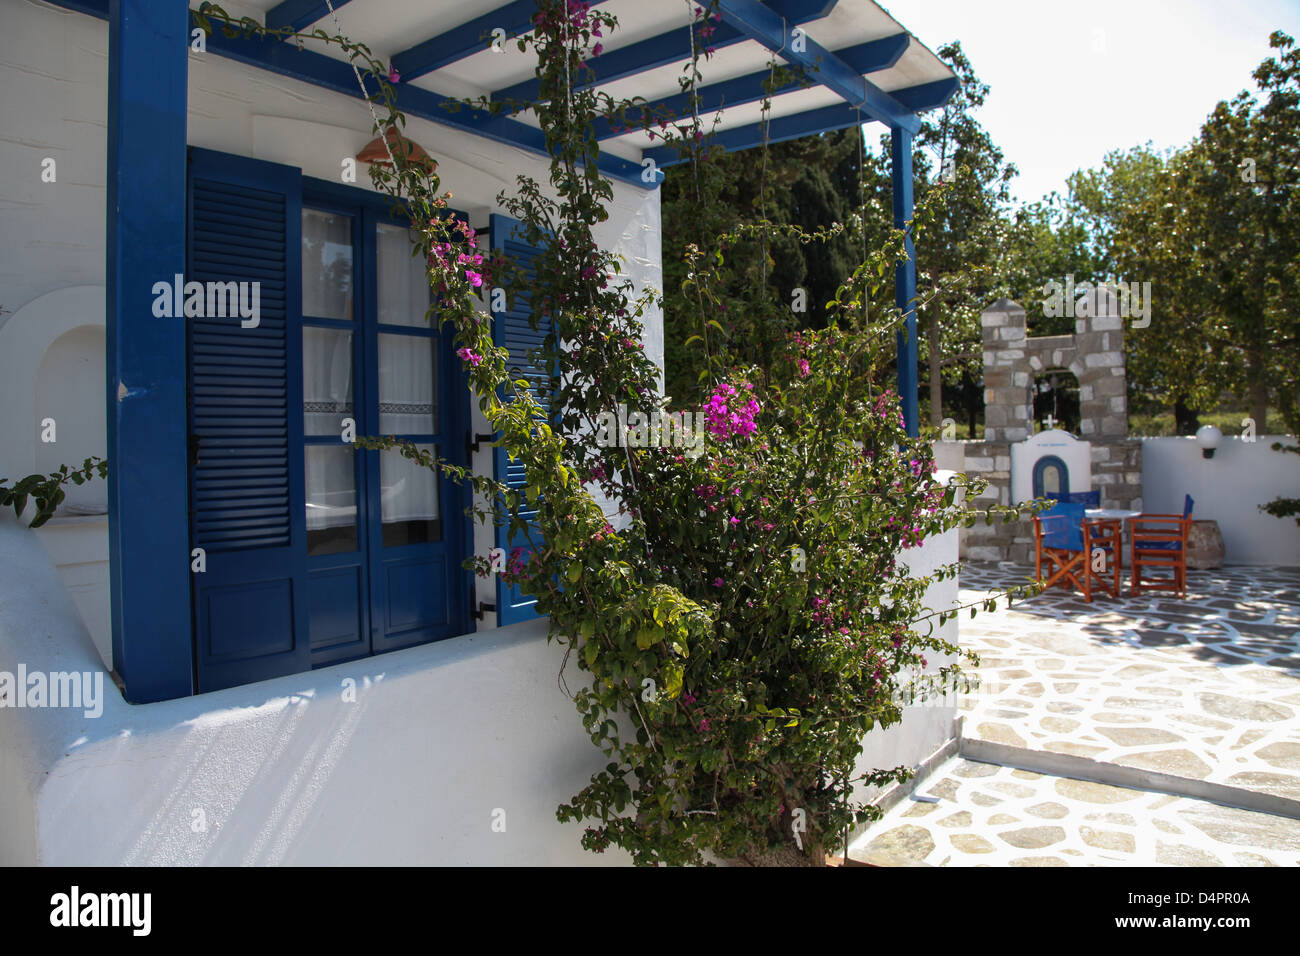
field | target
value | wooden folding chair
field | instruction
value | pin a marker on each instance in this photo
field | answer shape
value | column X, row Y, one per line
column 1078, row 553
column 1159, row 541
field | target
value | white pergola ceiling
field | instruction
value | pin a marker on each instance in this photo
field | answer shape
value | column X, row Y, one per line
column 395, row 31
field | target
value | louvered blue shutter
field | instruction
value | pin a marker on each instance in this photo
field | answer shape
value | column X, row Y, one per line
column 245, row 394
column 520, row 332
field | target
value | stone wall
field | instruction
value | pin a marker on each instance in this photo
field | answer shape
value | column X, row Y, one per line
column 1095, row 355
column 1116, row 473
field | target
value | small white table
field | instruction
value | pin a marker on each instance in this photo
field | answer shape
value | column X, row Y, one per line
column 1113, row 514
column 1120, row 515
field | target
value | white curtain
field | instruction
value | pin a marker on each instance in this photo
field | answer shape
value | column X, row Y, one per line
column 410, row 491
column 326, row 380
column 408, row 385
column 408, row 382
column 404, row 293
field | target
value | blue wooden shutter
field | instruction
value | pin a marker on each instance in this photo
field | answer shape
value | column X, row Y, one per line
column 519, row 331
column 245, row 397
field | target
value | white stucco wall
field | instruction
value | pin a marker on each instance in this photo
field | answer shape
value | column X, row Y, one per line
column 288, row 771
column 1228, row 488
column 926, row 725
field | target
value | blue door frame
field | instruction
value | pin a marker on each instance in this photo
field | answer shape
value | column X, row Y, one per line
column 148, row 527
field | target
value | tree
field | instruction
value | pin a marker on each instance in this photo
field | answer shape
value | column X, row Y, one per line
column 1214, row 228
column 971, row 230
column 1243, row 180
column 816, row 187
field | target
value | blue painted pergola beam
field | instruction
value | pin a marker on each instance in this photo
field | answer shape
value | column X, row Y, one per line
column 463, row 41
column 928, row 96
column 328, row 73
column 672, row 47
column 826, row 119
column 865, row 57
column 776, row 33
column 299, row 14
column 900, row 154
column 649, row 54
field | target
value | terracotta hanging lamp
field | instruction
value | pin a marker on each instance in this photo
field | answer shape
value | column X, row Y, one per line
column 402, row 149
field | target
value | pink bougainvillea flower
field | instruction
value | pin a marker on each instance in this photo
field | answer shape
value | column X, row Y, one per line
column 597, row 49
column 393, row 75
column 804, row 368
column 704, row 724
column 717, row 582
column 475, row 279
column 469, row 355
column 728, row 413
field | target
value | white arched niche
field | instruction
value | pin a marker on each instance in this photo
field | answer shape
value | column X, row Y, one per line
column 70, row 396
column 30, row 366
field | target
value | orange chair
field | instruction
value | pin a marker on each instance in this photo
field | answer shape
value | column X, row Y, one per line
column 1160, row 541
column 1077, row 552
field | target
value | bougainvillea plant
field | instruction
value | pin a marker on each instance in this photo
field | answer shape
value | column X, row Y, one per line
column 748, row 616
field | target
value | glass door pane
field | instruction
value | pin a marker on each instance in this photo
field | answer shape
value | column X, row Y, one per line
column 331, row 499
column 409, row 500
column 327, row 281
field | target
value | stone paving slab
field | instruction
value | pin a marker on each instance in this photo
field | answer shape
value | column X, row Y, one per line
column 988, row 815
column 1206, row 688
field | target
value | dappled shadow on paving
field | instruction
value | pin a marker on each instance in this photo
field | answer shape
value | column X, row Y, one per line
column 1230, row 616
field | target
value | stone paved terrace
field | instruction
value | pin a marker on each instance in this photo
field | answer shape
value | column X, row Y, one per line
column 1205, row 689
column 987, row 815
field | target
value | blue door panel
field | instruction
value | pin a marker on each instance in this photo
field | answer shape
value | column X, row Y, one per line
column 246, row 510
column 242, row 622
column 336, row 614
column 514, row 330
column 412, row 604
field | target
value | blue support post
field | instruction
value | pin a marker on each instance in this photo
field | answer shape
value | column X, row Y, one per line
column 148, row 524
column 900, row 149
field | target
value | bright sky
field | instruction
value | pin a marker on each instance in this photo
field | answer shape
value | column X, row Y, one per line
column 1073, row 79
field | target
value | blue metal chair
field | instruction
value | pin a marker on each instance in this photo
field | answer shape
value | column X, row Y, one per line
column 1077, row 552
column 1160, row 541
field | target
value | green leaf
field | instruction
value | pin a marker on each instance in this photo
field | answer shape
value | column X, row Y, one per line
column 648, row 637
column 574, row 573
column 672, row 674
